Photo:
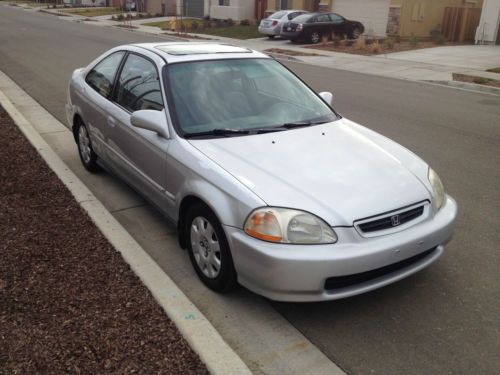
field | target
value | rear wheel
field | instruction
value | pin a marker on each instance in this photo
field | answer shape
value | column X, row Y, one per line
column 356, row 33
column 270, row 36
column 85, row 150
column 315, row 37
column 208, row 249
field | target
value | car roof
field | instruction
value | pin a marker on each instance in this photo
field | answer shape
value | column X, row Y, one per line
column 193, row 51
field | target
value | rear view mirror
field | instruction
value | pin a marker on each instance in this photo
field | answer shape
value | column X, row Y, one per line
column 148, row 119
column 327, row 97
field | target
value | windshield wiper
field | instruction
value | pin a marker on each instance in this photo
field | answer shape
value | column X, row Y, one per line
column 221, row 131
column 300, row 124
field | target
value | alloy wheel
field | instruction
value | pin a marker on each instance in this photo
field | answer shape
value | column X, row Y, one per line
column 206, row 247
column 84, row 143
column 315, row 37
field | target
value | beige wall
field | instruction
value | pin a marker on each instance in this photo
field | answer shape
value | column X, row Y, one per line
column 273, row 5
column 421, row 16
column 237, row 10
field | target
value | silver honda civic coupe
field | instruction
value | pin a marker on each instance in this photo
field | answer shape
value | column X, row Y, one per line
column 268, row 185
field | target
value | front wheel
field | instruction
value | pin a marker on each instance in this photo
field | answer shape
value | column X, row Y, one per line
column 270, row 36
column 208, row 249
column 85, row 150
column 315, row 37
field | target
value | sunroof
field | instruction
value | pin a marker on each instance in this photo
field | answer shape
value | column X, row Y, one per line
column 200, row 49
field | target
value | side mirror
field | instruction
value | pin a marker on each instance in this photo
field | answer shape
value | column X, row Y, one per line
column 148, row 119
column 327, row 97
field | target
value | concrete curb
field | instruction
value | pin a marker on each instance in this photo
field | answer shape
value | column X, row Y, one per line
column 193, row 325
column 483, row 89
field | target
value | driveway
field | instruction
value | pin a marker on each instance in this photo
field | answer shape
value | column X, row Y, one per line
column 464, row 57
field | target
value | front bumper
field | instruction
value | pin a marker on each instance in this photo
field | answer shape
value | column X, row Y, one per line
column 299, row 273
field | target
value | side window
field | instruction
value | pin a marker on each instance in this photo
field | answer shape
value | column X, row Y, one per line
column 336, row 18
column 323, row 18
column 102, row 76
column 291, row 16
column 138, row 86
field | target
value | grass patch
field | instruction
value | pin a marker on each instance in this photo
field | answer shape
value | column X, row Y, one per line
column 494, row 70
column 93, row 12
column 236, row 31
column 475, row 79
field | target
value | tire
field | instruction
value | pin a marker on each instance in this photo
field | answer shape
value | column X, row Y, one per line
column 270, row 36
column 315, row 37
column 356, row 33
column 208, row 249
column 87, row 155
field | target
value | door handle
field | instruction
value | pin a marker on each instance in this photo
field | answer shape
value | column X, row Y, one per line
column 111, row 121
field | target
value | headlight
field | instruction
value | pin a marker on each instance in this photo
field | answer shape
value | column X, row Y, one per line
column 288, row 226
column 437, row 188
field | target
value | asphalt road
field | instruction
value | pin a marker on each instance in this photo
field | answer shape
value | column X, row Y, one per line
column 445, row 319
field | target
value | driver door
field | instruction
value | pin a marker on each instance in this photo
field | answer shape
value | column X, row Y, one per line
column 138, row 155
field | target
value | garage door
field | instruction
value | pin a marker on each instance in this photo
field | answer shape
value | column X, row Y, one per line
column 194, row 8
column 373, row 14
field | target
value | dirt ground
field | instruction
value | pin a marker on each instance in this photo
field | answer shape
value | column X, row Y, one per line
column 68, row 301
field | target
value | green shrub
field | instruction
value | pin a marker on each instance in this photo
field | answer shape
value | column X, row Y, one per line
column 230, row 22
column 413, row 40
column 440, row 40
column 389, row 43
column 481, row 80
column 245, row 22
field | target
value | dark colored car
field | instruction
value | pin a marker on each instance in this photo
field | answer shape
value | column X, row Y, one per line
column 313, row 27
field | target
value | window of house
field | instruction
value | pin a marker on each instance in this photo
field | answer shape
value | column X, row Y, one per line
column 138, row 86
column 283, row 4
column 102, row 76
column 224, row 3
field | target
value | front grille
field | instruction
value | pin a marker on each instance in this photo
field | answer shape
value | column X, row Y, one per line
column 339, row 282
column 391, row 221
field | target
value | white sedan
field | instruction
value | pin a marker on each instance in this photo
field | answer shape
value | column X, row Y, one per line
column 271, row 26
column 268, row 185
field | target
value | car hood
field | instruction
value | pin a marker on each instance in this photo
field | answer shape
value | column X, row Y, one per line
column 339, row 171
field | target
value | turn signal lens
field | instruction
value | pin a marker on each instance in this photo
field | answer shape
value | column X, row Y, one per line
column 437, row 188
column 264, row 225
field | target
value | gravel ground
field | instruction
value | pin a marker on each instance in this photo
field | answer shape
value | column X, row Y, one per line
column 68, row 301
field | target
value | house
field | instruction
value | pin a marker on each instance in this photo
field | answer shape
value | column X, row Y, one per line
column 457, row 19
column 235, row 9
column 488, row 30
column 373, row 14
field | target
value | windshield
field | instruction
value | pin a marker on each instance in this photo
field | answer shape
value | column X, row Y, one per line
column 244, row 94
column 277, row 15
